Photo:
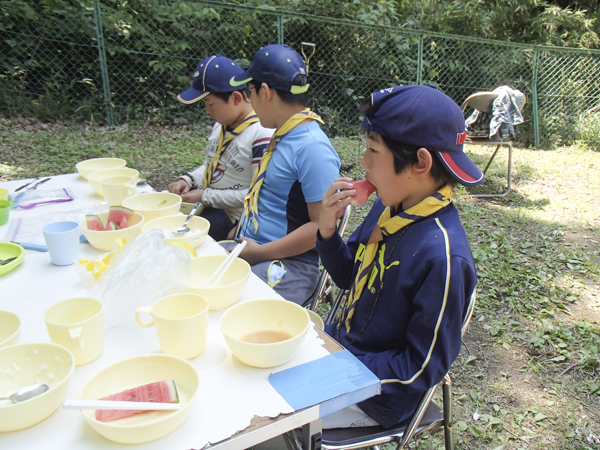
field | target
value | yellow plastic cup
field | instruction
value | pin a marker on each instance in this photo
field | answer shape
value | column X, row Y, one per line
column 78, row 325
column 3, row 194
column 181, row 322
column 116, row 189
column 4, row 211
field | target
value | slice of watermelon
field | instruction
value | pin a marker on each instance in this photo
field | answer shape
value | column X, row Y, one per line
column 119, row 215
column 159, row 392
column 94, row 223
column 363, row 188
column 112, row 226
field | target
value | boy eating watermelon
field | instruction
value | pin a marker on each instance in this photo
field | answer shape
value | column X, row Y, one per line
column 409, row 265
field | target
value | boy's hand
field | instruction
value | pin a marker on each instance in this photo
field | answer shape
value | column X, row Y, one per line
column 193, row 196
column 251, row 252
column 178, row 187
column 335, row 200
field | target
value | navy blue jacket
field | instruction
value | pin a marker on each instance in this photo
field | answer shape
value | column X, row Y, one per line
column 407, row 323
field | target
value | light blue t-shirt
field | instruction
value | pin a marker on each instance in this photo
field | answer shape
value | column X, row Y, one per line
column 303, row 166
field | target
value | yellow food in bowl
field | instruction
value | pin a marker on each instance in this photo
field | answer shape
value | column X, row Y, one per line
column 134, row 372
column 104, row 240
column 24, row 365
column 256, row 331
column 153, row 205
column 95, row 178
column 90, row 165
column 10, row 328
column 198, row 226
column 229, row 288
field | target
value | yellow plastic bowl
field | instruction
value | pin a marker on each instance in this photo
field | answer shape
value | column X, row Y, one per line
column 153, row 205
column 198, row 226
column 261, row 315
column 25, row 364
column 10, row 329
column 137, row 371
column 230, row 286
column 95, row 178
column 316, row 319
column 104, row 240
column 90, row 165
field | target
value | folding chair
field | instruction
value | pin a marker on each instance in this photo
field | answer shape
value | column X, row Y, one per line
column 325, row 286
column 427, row 419
column 482, row 102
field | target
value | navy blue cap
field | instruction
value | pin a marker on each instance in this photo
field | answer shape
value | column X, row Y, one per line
column 424, row 117
column 277, row 65
column 211, row 75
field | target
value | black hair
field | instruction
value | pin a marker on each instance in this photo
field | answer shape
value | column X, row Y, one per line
column 225, row 96
column 405, row 155
column 288, row 97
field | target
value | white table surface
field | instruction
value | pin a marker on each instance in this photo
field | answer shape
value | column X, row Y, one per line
column 231, row 393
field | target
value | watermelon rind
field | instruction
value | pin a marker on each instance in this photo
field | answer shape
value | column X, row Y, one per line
column 94, row 223
column 112, row 226
column 116, row 214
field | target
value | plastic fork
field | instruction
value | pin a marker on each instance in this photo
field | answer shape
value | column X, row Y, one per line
column 184, row 228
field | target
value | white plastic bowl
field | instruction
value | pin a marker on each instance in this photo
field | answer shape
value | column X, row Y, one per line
column 95, row 178
column 23, row 365
column 198, row 226
column 10, row 328
column 153, row 205
column 259, row 315
column 138, row 371
column 90, row 165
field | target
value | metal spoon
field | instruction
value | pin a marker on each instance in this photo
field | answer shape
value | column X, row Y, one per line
column 184, row 228
column 6, row 261
column 27, row 393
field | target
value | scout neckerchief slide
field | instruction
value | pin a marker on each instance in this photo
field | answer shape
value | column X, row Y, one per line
column 224, row 142
column 251, row 200
column 386, row 226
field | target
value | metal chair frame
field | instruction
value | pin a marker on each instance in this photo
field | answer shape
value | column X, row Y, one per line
column 483, row 101
column 427, row 419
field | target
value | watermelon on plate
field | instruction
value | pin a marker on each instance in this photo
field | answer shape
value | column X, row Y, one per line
column 94, row 223
column 159, row 392
column 119, row 215
column 363, row 188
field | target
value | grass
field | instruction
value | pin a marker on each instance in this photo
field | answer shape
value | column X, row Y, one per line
column 528, row 374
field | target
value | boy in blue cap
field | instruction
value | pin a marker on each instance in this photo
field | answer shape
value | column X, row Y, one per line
column 408, row 266
column 234, row 149
column 281, row 210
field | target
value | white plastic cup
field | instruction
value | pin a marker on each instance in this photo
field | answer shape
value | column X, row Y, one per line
column 62, row 240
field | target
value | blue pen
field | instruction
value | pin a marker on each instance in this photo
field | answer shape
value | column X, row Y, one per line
column 36, row 247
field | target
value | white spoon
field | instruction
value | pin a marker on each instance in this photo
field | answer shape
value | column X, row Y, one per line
column 27, row 393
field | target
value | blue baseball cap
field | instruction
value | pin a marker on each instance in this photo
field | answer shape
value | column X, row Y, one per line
column 277, row 65
column 424, row 117
column 211, row 75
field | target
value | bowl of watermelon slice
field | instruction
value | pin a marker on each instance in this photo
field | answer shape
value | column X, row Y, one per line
column 103, row 229
column 146, row 378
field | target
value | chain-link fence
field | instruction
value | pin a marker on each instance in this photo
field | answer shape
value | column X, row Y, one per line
column 114, row 63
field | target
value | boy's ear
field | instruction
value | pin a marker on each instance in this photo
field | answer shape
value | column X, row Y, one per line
column 424, row 162
column 268, row 92
column 237, row 97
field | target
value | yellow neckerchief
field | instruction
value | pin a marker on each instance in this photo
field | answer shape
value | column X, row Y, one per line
column 224, row 142
column 251, row 200
column 386, row 226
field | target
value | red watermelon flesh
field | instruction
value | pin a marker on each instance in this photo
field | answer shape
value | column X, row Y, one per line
column 363, row 188
column 94, row 223
column 159, row 392
column 119, row 215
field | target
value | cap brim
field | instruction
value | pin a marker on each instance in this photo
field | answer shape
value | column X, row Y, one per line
column 240, row 79
column 191, row 96
column 462, row 168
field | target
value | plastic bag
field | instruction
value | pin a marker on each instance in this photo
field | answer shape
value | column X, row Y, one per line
column 146, row 270
column 32, row 198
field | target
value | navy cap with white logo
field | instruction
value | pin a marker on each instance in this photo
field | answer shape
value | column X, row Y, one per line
column 277, row 65
column 424, row 117
column 211, row 75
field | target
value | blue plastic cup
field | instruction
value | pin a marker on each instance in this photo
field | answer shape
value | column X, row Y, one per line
column 62, row 239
